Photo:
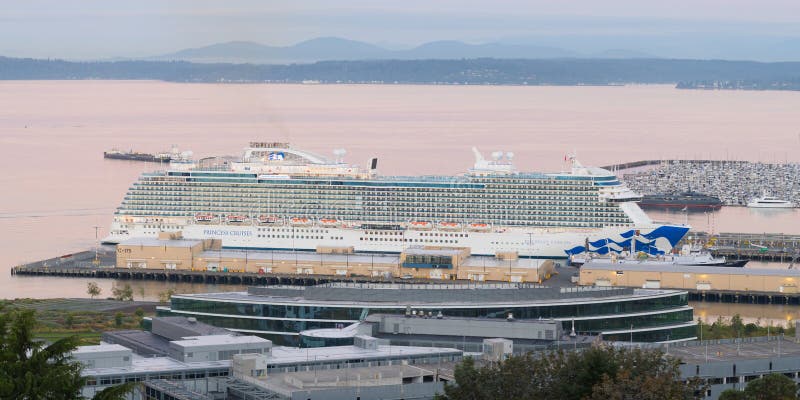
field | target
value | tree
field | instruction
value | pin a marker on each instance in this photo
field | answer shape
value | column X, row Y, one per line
column 124, row 293
column 164, row 296
column 93, row 289
column 771, row 387
column 599, row 372
column 732, row 394
column 69, row 320
column 118, row 319
column 139, row 313
column 31, row 369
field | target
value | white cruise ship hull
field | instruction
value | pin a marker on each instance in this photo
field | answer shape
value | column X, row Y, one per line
column 551, row 243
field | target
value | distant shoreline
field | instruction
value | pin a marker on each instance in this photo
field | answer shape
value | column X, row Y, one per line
column 683, row 74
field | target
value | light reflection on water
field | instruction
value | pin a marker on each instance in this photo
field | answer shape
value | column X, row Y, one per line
column 57, row 186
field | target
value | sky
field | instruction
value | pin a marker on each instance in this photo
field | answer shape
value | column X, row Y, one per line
column 98, row 29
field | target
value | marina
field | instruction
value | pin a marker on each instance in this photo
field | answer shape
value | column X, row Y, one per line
column 735, row 183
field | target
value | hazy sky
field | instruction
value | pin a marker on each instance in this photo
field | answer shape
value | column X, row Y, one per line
column 113, row 28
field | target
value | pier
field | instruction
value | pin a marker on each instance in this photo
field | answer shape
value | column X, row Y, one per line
column 773, row 247
column 86, row 264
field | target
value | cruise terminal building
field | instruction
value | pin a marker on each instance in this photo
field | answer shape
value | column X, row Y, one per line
column 280, row 313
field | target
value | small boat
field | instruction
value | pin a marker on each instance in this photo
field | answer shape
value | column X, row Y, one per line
column 449, row 226
column 420, row 225
column 479, row 227
column 769, row 202
column 202, row 217
column 328, row 222
column 268, row 219
column 234, row 218
column 300, row 221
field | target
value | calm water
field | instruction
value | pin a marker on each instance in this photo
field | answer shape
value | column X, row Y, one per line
column 57, row 186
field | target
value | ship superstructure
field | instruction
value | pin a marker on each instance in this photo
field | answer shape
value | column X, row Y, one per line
column 278, row 197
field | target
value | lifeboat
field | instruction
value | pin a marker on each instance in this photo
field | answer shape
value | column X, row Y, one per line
column 328, row 221
column 480, row 227
column 234, row 218
column 201, row 217
column 420, row 225
column 448, row 226
column 300, row 221
column 268, row 219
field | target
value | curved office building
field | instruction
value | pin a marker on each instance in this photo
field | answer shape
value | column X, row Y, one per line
column 281, row 312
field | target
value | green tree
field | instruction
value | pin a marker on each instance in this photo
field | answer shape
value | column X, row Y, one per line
column 69, row 320
column 31, row 369
column 139, row 313
column 771, row 387
column 732, row 394
column 166, row 295
column 124, row 293
column 600, row 372
column 737, row 324
column 118, row 319
column 93, row 289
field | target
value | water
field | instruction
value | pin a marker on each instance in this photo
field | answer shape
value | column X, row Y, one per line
column 57, row 187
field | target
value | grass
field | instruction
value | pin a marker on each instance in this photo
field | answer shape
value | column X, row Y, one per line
column 59, row 318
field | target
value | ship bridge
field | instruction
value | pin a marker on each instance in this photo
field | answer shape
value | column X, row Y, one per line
column 278, row 158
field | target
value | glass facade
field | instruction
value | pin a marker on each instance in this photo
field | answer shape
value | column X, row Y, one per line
column 272, row 317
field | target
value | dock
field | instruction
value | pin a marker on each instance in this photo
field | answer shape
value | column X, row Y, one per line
column 774, row 247
column 85, row 264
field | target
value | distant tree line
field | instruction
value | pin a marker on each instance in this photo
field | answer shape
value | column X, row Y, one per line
column 712, row 74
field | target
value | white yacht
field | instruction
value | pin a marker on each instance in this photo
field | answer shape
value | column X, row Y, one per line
column 278, row 197
column 769, row 202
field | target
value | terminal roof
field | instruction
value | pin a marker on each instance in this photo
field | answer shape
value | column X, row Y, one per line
column 428, row 295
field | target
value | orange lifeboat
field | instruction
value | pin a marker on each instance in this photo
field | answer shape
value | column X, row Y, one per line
column 420, row 225
column 203, row 217
column 449, row 226
column 300, row 221
column 328, row 221
column 480, row 227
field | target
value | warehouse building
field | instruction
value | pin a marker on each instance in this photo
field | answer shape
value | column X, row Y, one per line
column 171, row 252
column 656, row 275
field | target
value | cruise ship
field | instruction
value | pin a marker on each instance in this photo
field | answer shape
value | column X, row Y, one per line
column 279, row 197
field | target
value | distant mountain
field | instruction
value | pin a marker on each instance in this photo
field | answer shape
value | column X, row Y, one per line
column 331, row 48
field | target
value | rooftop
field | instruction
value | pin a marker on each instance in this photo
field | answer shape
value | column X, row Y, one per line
column 429, row 295
column 219, row 340
column 162, row 324
column 148, row 365
column 734, row 350
column 100, row 348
